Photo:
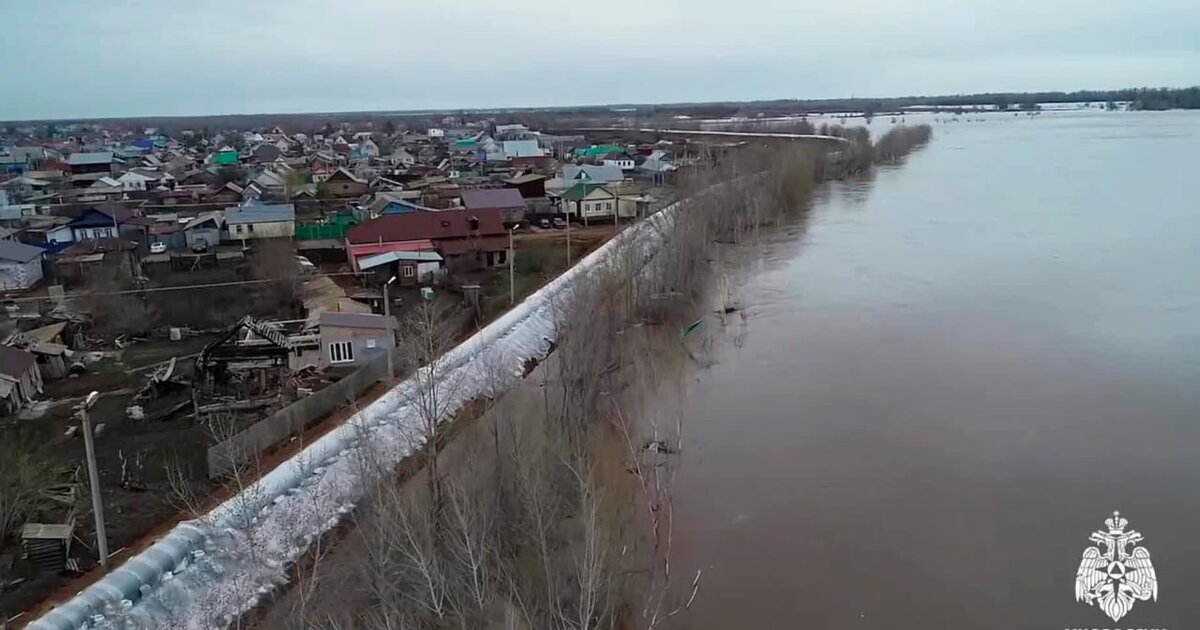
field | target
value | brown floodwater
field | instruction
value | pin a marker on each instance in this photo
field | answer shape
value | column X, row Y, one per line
column 948, row 377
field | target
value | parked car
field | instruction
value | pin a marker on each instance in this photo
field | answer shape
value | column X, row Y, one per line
column 544, row 223
column 158, row 248
column 559, row 223
column 200, row 246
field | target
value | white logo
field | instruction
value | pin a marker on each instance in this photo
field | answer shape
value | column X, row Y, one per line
column 1115, row 578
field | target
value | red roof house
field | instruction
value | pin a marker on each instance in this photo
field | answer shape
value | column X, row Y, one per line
column 449, row 232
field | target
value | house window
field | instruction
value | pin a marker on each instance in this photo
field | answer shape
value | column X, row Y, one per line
column 370, row 343
column 408, row 271
column 341, row 352
column 250, row 228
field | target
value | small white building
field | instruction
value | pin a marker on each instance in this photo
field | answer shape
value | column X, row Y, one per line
column 622, row 161
column 20, row 265
column 254, row 220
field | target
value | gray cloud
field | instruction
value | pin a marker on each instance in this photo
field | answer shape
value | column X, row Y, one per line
column 126, row 57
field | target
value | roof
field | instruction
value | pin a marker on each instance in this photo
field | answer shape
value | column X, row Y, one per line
column 225, row 158
column 464, row 245
column 504, row 198
column 260, row 213
column 217, row 217
column 583, row 189
column 522, row 148
column 371, row 262
column 602, row 173
column 18, row 252
column 345, row 174
column 14, row 362
column 353, row 320
column 525, row 179
column 46, row 333
column 598, row 150
column 443, row 224
column 96, row 217
column 81, row 159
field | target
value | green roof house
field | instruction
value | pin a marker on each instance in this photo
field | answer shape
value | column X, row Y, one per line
column 226, row 158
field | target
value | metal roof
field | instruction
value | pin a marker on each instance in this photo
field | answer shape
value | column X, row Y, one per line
column 587, row 172
column 14, row 362
column 260, row 213
column 81, row 159
column 353, row 320
column 370, row 262
column 503, row 198
column 19, row 252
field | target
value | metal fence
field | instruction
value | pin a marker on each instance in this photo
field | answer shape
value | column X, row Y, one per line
column 227, row 456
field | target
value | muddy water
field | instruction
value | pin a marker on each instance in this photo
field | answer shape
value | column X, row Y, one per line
column 948, row 378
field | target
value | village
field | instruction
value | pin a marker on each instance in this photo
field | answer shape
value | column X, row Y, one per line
column 243, row 288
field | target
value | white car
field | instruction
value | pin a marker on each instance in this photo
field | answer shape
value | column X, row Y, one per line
column 158, row 248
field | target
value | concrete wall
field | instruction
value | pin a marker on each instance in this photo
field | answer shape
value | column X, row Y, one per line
column 224, row 458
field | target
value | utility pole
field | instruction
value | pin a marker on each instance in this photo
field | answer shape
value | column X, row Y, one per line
column 94, row 477
column 391, row 328
column 512, row 285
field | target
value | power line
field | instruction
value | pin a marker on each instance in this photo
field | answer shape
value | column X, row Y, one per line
column 210, row 285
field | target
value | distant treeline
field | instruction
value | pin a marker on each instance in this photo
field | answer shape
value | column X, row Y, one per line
column 1138, row 98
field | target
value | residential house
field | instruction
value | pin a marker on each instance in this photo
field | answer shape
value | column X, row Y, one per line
column 603, row 174
column 265, row 153
column 621, row 160
column 86, row 168
column 23, row 159
column 530, row 185
column 522, row 149
column 658, row 165
column 596, row 152
column 401, row 157
column 143, row 179
column 20, row 265
column 367, row 149
column 274, row 180
column 254, row 220
column 409, row 268
column 228, row 192
column 507, row 200
column 95, row 223
column 396, row 202
column 204, row 230
column 226, row 157
column 48, row 232
column 343, row 183
column 588, row 201
column 20, row 379
column 469, row 236
column 24, row 187
column 355, row 339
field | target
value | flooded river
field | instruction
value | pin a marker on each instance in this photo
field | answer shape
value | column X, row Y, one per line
column 949, row 377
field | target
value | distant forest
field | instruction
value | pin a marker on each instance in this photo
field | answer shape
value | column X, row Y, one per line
column 1155, row 99
column 1150, row 99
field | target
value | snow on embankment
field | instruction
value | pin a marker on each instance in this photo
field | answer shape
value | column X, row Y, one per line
column 209, row 571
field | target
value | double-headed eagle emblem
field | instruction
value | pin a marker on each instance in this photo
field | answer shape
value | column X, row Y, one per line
column 1115, row 578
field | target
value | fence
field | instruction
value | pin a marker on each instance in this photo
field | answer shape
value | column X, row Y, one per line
column 227, row 456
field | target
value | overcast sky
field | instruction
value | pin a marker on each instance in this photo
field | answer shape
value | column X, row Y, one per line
column 77, row 58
